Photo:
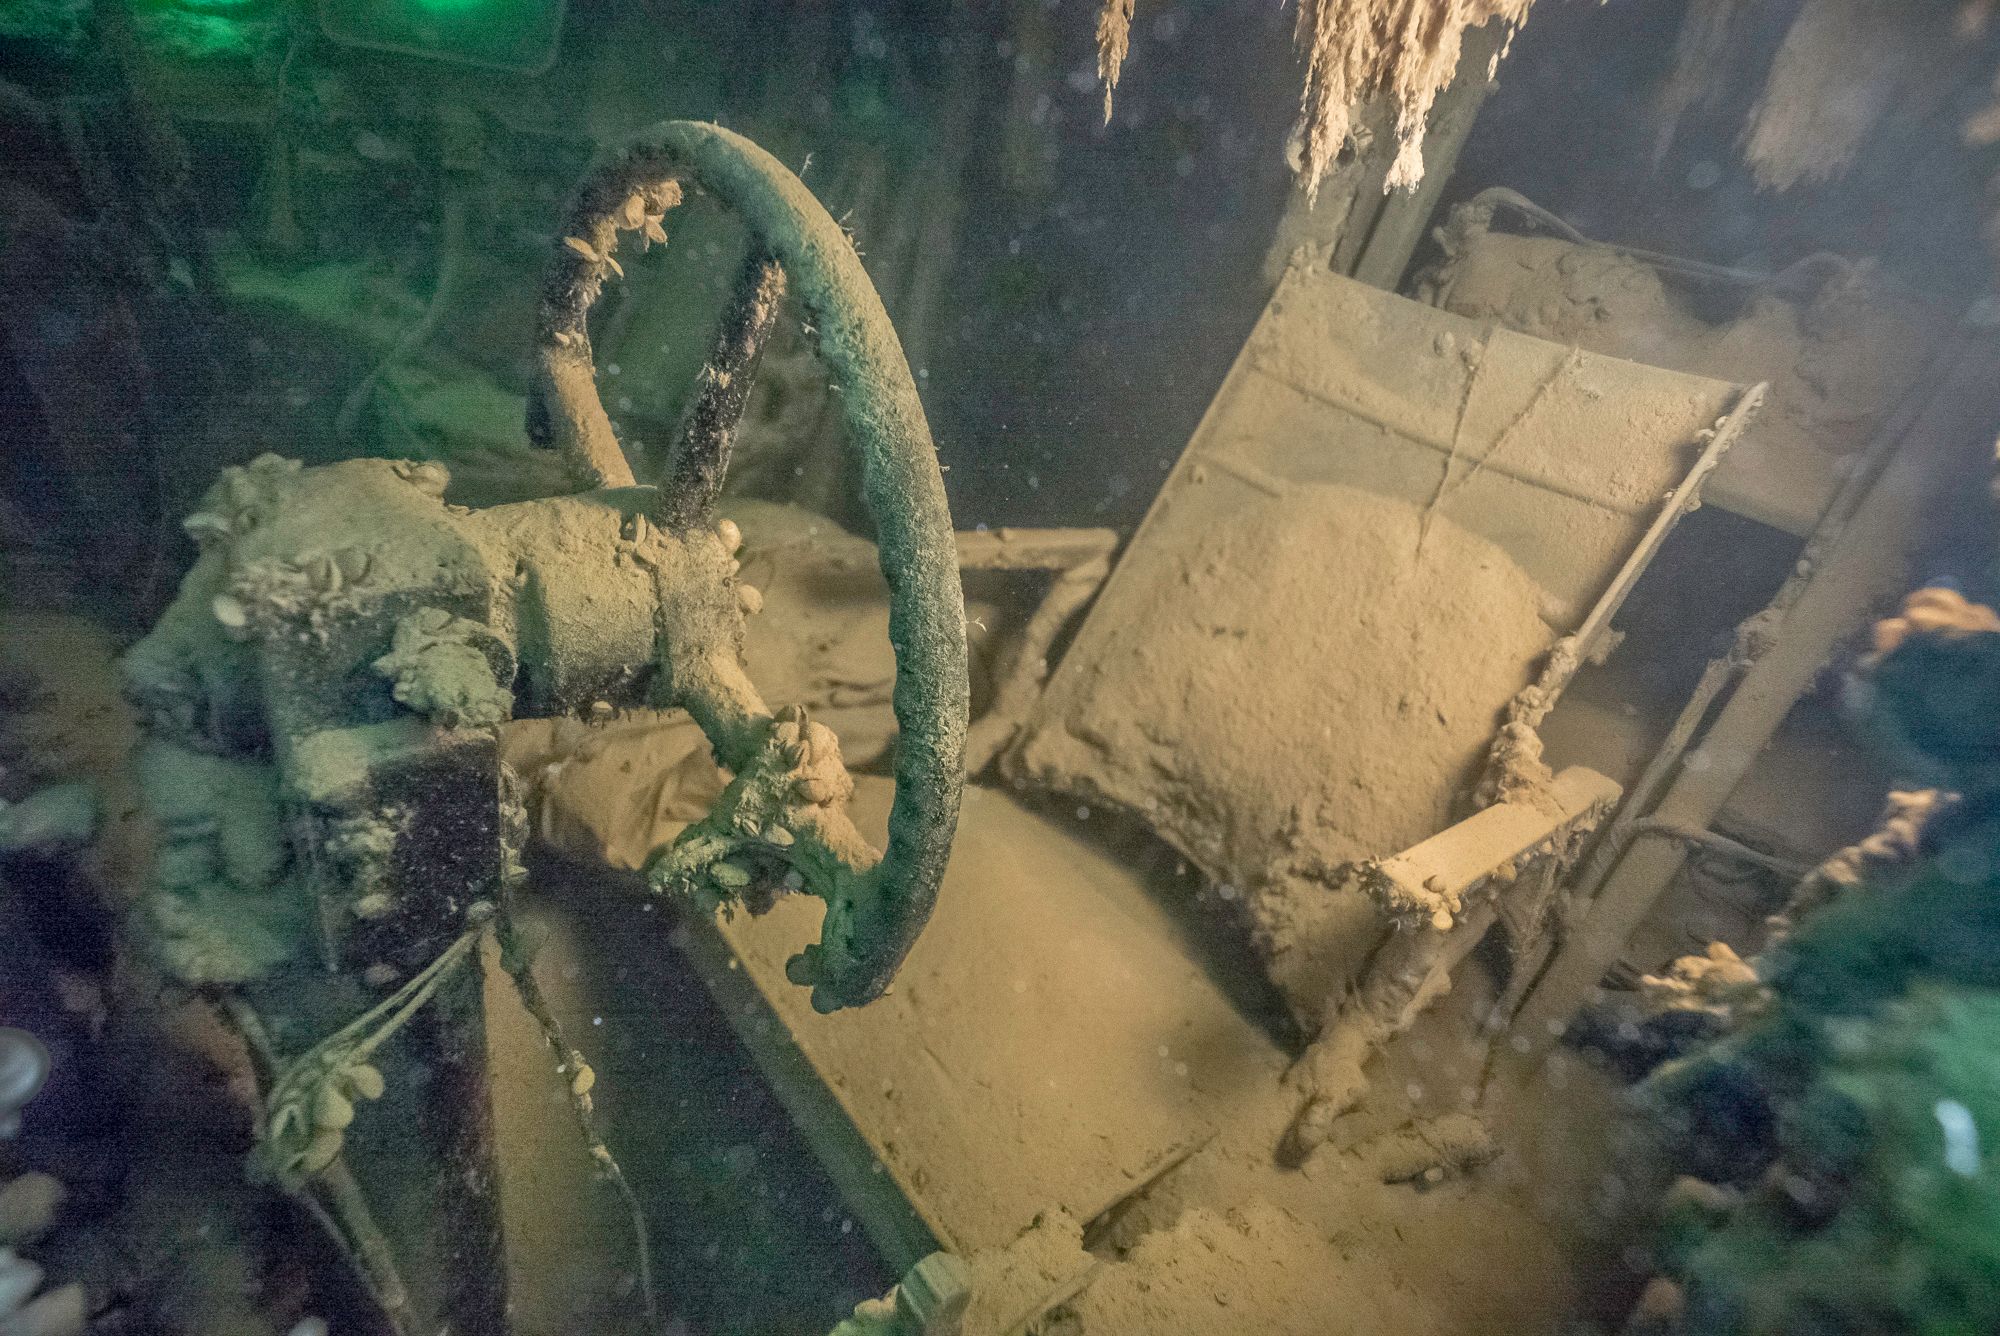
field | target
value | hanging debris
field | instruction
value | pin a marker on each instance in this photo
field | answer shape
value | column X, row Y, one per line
column 1841, row 68
column 1405, row 50
column 1114, row 39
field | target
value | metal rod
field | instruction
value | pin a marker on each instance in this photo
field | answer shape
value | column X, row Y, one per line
column 1683, row 499
column 1611, row 843
column 699, row 458
column 1720, row 845
column 1531, row 705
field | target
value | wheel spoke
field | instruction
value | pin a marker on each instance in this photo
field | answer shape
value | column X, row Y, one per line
column 700, row 454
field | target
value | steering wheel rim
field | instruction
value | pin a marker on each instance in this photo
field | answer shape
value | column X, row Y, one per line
column 874, row 914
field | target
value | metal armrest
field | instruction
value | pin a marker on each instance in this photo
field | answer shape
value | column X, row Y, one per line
column 1429, row 885
column 1442, row 896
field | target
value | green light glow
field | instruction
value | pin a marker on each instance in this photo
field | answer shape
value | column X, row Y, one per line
column 504, row 34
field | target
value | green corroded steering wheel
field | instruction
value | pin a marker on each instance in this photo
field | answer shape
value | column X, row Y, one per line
column 781, row 822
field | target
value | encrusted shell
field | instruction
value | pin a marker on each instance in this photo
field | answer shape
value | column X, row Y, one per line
column 284, row 1118
column 207, row 527
column 353, row 563
column 332, row 1111
column 229, row 610
column 428, row 477
column 365, row 1081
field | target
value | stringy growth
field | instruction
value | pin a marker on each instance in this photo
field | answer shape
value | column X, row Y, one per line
column 1842, row 68
column 1843, row 65
column 1406, row 50
column 1114, row 39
